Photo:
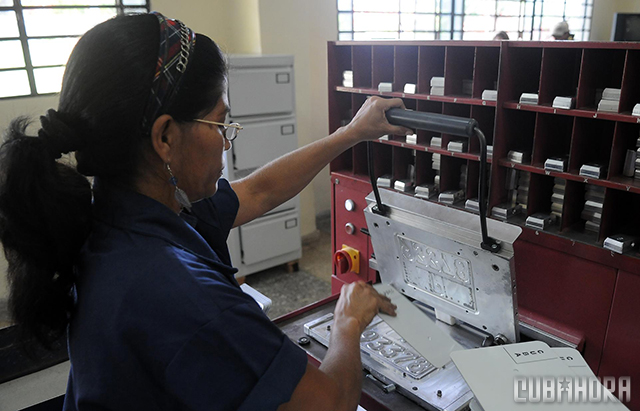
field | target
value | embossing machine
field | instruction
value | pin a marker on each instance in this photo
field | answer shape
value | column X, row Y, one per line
column 462, row 286
column 442, row 258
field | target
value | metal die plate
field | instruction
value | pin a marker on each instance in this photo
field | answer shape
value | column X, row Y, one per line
column 426, row 191
column 440, row 273
column 379, row 342
column 385, row 181
column 540, row 221
column 472, row 205
column 504, row 211
column 384, row 344
column 519, row 157
column 620, row 243
column 388, row 357
column 451, row 197
column 458, row 146
column 591, row 170
column 432, row 253
column 555, row 164
column 403, row 185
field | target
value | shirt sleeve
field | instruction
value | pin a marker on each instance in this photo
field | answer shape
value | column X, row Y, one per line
column 221, row 209
column 227, row 203
column 214, row 218
column 238, row 361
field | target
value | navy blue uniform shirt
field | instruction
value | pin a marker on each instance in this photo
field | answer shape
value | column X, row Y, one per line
column 160, row 322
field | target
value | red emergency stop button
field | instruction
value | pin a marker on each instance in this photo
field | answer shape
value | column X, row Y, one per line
column 347, row 260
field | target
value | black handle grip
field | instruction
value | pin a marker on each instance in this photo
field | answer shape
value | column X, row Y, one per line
column 439, row 123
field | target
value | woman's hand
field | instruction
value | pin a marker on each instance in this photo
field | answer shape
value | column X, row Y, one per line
column 370, row 121
column 337, row 384
column 359, row 302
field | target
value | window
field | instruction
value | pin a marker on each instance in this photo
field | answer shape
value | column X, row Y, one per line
column 37, row 36
column 460, row 19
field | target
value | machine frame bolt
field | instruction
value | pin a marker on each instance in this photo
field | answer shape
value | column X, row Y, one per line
column 304, row 341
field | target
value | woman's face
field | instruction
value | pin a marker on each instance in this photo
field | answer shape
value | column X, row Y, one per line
column 199, row 161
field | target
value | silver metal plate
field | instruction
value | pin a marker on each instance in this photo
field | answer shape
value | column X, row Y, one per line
column 432, row 253
column 529, row 98
column 591, row 170
column 540, row 221
column 593, row 206
column 458, row 146
column 557, row 198
column 563, row 102
column 426, row 191
column 504, row 211
column 391, row 360
column 519, row 157
column 472, row 205
column 385, row 181
column 451, row 197
column 428, row 339
column 591, row 226
column 555, row 164
column 403, row 185
column 620, row 243
column 381, row 343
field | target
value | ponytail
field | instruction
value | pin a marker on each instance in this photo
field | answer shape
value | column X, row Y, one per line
column 44, row 220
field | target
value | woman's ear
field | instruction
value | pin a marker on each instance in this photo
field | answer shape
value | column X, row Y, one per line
column 164, row 136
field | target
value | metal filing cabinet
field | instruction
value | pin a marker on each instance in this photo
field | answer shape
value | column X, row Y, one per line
column 261, row 96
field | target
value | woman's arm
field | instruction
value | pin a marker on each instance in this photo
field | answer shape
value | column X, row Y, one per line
column 337, row 384
column 283, row 178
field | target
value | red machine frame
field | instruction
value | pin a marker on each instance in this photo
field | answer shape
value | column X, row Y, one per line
column 568, row 285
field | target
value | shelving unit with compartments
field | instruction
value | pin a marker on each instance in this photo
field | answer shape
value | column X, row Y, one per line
column 569, row 285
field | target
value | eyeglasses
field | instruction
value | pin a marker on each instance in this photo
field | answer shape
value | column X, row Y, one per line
column 230, row 131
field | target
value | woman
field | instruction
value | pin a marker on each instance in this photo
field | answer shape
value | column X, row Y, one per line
column 137, row 265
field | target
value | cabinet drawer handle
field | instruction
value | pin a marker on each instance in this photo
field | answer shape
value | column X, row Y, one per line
column 287, row 129
column 282, row 78
column 291, row 223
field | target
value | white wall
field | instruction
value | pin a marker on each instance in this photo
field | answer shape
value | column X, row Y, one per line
column 233, row 24
column 33, row 107
column 302, row 28
column 603, row 11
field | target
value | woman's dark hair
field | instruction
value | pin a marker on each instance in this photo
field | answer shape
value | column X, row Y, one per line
column 45, row 205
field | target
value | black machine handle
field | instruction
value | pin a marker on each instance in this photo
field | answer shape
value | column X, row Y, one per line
column 440, row 123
